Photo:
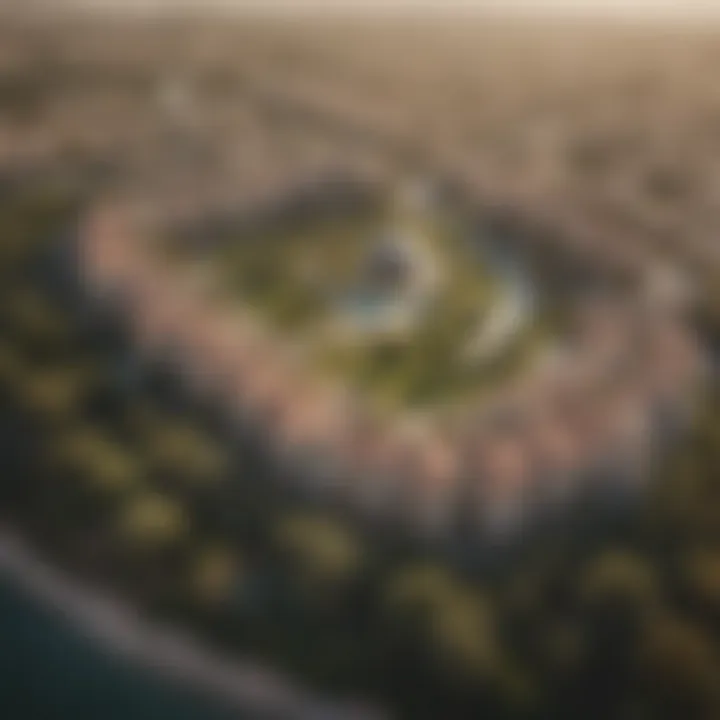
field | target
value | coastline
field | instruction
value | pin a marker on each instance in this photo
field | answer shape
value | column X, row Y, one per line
column 168, row 653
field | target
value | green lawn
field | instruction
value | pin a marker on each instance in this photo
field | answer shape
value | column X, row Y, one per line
column 294, row 277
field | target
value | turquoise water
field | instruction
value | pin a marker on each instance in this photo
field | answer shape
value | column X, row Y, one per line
column 50, row 672
column 369, row 306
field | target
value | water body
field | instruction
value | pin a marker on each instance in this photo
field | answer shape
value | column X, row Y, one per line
column 50, row 671
column 67, row 651
column 515, row 308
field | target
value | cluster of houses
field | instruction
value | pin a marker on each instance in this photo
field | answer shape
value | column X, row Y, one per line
column 590, row 416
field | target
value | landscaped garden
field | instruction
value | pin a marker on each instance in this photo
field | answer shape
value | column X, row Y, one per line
column 409, row 303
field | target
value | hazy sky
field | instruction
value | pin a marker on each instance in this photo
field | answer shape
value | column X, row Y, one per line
column 644, row 8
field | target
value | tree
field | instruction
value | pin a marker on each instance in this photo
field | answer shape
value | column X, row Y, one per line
column 52, row 394
column 679, row 666
column 457, row 627
column 150, row 520
column 34, row 319
column 97, row 461
column 618, row 580
column 701, row 577
column 179, row 451
column 11, row 367
column 320, row 553
column 215, row 570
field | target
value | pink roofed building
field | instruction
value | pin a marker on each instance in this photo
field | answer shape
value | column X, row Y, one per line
column 500, row 474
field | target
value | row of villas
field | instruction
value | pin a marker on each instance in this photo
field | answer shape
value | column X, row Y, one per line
column 590, row 417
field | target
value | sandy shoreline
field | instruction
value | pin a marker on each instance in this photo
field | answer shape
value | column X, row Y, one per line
column 166, row 651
